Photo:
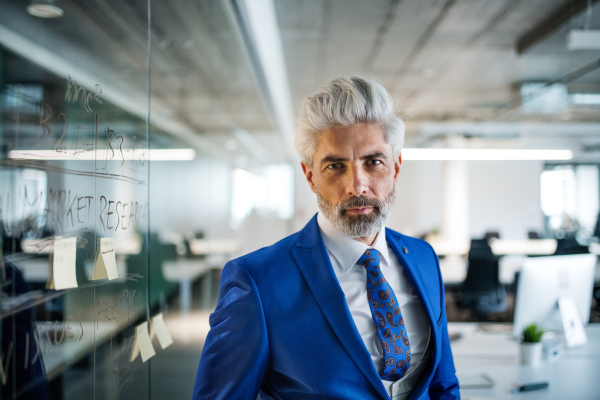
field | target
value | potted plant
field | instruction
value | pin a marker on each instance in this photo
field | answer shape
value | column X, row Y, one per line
column 531, row 346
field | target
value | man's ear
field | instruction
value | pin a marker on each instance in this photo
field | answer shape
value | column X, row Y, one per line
column 309, row 175
column 397, row 163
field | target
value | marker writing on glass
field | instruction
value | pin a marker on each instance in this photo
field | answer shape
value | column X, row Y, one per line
column 530, row 386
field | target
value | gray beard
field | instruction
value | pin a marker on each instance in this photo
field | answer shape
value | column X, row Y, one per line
column 358, row 225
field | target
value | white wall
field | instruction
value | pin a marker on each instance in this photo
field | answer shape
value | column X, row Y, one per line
column 189, row 196
column 503, row 196
column 259, row 231
column 418, row 198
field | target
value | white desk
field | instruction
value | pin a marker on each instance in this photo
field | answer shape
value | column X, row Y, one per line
column 37, row 269
column 538, row 247
column 500, row 247
column 123, row 245
column 186, row 272
column 208, row 247
column 572, row 375
column 454, row 269
column 59, row 357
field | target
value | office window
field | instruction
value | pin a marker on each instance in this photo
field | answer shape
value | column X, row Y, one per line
column 268, row 190
column 570, row 198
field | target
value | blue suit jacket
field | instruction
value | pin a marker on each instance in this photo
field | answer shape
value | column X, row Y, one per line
column 282, row 327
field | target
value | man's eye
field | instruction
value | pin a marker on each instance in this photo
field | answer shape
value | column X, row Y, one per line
column 335, row 166
column 374, row 162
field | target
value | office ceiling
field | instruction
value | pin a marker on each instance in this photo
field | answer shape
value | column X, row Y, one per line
column 452, row 66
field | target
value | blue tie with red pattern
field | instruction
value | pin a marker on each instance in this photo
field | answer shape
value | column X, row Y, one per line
column 390, row 328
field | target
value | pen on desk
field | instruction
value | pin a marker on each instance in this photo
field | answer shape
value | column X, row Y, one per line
column 530, row 386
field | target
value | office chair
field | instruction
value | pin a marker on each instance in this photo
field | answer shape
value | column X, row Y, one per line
column 482, row 292
column 491, row 234
column 569, row 245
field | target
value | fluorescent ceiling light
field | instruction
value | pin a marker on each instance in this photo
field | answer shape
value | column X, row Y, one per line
column 485, row 154
column 118, row 93
column 105, row 155
column 583, row 39
column 259, row 22
column 588, row 99
column 172, row 154
column 45, row 9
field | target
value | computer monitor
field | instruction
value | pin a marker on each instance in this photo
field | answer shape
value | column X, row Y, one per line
column 545, row 280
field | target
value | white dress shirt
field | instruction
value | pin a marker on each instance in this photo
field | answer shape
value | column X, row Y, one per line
column 344, row 253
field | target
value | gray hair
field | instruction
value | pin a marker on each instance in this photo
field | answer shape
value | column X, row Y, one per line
column 347, row 101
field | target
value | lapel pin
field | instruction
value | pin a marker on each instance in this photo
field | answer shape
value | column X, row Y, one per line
column 405, row 250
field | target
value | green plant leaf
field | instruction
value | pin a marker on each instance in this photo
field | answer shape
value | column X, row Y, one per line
column 532, row 333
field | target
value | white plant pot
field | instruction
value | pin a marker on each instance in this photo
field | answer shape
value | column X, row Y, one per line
column 531, row 353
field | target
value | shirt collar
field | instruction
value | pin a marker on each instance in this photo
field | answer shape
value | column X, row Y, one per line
column 346, row 250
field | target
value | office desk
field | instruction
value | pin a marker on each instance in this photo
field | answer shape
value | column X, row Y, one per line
column 454, row 269
column 538, row 247
column 186, row 272
column 500, row 247
column 572, row 375
column 203, row 247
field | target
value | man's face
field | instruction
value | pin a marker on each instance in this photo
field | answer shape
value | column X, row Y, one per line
column 354, row 174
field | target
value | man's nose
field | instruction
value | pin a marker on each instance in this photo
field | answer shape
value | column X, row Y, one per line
column 357, row 182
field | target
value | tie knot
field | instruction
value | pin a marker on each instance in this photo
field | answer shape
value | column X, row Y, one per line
column 370, row 257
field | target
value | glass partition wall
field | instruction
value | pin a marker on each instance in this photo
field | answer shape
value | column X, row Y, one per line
column 76, row 306
column 106, row 247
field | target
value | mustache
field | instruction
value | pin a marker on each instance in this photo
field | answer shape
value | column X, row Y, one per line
column 360, row 201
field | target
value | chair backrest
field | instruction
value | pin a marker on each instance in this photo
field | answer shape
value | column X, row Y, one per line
column 491, row 234
column 481, row 290
column 483, row 267
column 569, row 246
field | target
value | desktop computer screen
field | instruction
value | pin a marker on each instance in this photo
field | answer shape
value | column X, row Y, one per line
column 543, row 281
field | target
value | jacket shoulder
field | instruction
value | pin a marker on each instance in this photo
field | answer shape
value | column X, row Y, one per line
column 405, row 240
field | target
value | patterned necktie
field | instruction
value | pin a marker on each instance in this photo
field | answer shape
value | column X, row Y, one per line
column 387, row 317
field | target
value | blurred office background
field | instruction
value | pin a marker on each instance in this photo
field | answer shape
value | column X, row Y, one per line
column 167, row 127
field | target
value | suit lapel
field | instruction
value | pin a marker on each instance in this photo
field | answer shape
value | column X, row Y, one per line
column 413, row 273
column 312, row 259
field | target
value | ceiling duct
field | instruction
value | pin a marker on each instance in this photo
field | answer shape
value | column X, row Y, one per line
column 549, row 25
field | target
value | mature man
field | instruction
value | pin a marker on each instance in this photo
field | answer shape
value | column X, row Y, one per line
column 345, row 308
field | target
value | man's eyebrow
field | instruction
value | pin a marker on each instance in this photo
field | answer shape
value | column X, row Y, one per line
column 333, row 158
column 376, row 154
column 370, row 156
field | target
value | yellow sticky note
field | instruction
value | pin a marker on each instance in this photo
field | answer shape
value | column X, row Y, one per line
column 135, row 351
column 50, row 281
column 106, row 263
column 143, row 341
column 63, row 264
column 160, row 329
